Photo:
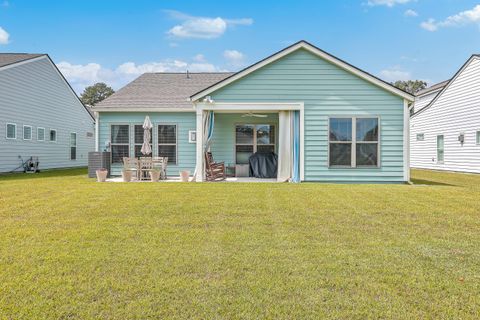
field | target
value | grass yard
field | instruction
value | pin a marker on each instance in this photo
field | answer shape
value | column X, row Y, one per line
column 71, row 248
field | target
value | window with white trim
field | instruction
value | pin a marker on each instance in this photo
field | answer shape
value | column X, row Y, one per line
column 11, row 131
column 354, row 142
column 251, row 138
column 440, row 149
column 120, row 142
column 73, row 146
column 138, row 140
column 167, row 142
column 478, row 137
column 27, row 132
column 53, row 135
column 40, row 134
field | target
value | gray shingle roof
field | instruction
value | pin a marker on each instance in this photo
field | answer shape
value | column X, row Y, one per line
column 434, row 87
column 161, row 90
column 10, row 58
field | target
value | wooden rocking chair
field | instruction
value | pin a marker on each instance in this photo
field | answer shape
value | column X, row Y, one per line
column 214, row 171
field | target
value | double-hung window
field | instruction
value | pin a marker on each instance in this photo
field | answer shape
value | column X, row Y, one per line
column 73, row 146
column 11, row 129
column 478, row 137
column 120, row 143
column 138, row 139
column 40, row 134
column 53, row 135
column 167, row 142
column 354, row 142
column 440, row 149
column 250, row 138
column 27, row 132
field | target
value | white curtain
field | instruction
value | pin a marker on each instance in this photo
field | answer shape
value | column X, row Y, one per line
column 285, row 146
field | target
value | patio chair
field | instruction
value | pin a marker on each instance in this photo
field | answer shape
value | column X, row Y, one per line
column 214, row 171
column 131, row 164
column 161, row 163
column 146, row 165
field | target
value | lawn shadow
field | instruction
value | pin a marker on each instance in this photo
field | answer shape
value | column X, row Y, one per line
column 430, row 183
column 53, row 173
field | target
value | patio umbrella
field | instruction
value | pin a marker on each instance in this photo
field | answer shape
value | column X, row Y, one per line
column 147, row 137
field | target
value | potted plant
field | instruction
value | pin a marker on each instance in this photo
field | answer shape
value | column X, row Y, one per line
column 155, row 174
column 126, row 174
column 102, row 174
column 184, row 175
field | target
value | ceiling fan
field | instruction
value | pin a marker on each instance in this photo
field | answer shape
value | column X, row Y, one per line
column 251, row 114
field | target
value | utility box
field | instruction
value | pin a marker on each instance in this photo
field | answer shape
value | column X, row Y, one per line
column 98, row 160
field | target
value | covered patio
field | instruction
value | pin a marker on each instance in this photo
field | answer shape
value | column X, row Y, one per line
column 234, row 132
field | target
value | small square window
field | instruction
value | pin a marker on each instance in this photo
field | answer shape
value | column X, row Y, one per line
column 11, row 131
column 27, row 133
column 420, row 137
column 53, row 135
column 192, row 136
column 40, row 134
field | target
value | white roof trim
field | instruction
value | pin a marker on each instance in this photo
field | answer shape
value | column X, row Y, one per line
column 305, row 45
column 459, row 72
column 134, row 109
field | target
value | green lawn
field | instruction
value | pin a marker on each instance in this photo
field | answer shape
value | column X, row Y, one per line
column 71, row 248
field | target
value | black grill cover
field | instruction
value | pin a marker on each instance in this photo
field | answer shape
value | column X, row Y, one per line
column 263, row 165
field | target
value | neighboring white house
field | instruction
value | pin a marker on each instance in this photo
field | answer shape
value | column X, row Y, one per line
column 40, row 115
column 445, row 125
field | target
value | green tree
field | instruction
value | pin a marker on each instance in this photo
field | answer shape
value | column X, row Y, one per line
column 411, row 86
column 96, row 93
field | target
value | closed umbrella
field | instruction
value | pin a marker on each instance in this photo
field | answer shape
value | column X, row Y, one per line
column 147, row 137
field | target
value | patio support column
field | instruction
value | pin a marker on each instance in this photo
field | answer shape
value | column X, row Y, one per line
column 200, row 142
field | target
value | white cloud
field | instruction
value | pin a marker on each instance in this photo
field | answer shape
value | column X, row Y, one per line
column 388, row 3
column 234, row 58
column 463, row 18
column 199, row 58
column 4, row 36
column 411, row 13
column 202, row 27
column 81, row 76
column 395, row 73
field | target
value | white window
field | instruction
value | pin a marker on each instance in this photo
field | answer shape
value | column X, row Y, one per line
column 420, row 136
column 354, row 142
column 478, row 137
column 167, row 142
column 40, row 134
column 53, row 135
column 440, row 149
column 138, row 140
column 73, row 146
column 27, row 132
column 11, row 131
column 251, row 138
column 120, row 142
column 192, row 136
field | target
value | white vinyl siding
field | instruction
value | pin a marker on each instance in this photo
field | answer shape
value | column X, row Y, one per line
column 35, row 94
column 455, row 111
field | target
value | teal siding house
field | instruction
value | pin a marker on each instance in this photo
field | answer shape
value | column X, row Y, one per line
column 324, row 119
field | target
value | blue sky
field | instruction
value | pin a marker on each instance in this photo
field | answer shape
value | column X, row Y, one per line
column 115, row 41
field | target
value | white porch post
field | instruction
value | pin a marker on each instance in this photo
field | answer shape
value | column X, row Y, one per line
column 199, row 162
column 97, row 133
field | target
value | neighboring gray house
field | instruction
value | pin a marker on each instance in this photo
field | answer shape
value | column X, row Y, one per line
column 445, row 125
column 40, row 115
